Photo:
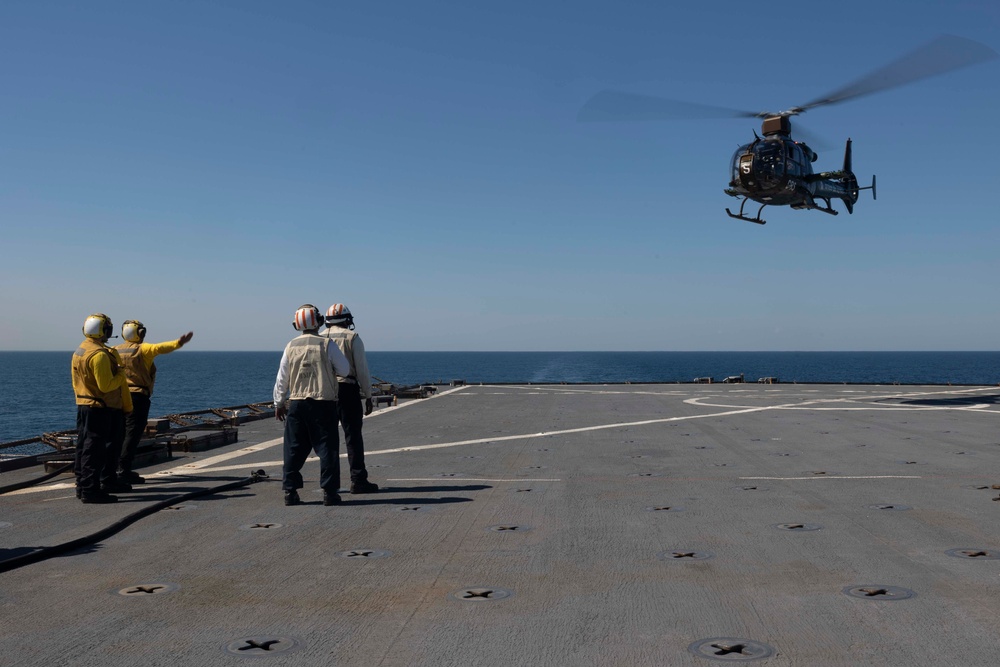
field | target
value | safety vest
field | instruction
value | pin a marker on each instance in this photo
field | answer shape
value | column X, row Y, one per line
column 84, row 383
column 310, row 373
column 344, row 338
column 140, row 379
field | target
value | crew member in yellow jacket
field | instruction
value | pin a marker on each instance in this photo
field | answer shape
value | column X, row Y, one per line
column 137, row 360
column 102, row 397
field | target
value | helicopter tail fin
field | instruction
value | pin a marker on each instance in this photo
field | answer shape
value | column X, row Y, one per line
column 849, row 180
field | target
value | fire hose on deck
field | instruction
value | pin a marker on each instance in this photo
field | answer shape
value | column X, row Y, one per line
column 45, row 553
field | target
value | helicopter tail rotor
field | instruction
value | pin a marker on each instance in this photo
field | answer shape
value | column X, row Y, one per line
column 871, row 187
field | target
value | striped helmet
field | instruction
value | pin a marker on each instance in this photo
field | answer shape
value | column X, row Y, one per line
column 307, row 318
column 338, row 313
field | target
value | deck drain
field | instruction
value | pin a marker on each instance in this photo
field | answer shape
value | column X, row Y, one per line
column 730, row 649
column 750, row 488
column 976, row 487
column 888, row 593
column 448, row 474
column 533, row 467
column 798, row 527
column 975, row 554
column 645, row 474
column 262, row 646
column 912, row 463
column 260, row 526
column 665, row 508
column 638, row 456
column 702, row 447
column 147, row 590
column 482, row 594
column 412, row 508
column 685, row 556
column 819, row 473
column 897, row 508
column 365, row 554
column 509, row 528
column 784, row 454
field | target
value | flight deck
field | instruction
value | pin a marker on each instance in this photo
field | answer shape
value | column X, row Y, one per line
column 546, row 525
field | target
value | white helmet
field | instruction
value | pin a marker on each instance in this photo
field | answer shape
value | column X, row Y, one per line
column 97, row 326
column 307, row 317
column 133, row 331
column 338, row 313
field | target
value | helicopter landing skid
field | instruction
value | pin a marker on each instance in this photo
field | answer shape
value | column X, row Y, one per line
column 811, row 205
column 740, row 216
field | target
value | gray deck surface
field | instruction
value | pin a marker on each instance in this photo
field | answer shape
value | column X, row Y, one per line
column 628, row 523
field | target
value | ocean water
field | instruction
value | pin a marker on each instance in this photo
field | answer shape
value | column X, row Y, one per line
column 36, row 397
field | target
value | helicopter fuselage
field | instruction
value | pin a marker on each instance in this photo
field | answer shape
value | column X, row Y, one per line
column 775, row 170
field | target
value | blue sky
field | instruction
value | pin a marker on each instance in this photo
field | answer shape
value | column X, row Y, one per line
column 209, row 166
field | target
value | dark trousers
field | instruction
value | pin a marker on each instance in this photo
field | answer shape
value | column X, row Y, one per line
column 135, row 426
column 312, row 425
column 351, row 413
column 98, row 430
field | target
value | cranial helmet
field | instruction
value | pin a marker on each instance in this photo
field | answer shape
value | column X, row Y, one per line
column 307, row 317
column 338, row 313
column 133, row 331
column 97, row 326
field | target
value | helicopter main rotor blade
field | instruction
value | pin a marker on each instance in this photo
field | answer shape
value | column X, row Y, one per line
column 611, row 105
column 944, row 54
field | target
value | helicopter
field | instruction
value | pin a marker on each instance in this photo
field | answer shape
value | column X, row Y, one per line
column 774, row 169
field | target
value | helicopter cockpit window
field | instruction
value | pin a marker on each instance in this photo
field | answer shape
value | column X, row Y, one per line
column 792, row 163
column 769, row 163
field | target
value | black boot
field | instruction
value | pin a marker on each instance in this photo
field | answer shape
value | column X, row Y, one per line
column 101, row 498
column 292, row 498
